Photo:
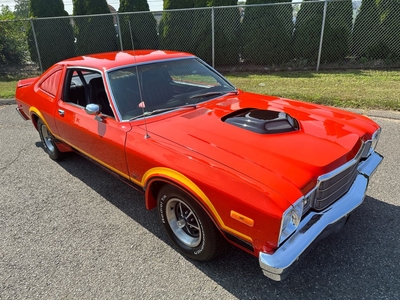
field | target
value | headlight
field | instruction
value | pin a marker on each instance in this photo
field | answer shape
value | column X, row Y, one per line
column 291, row 220
column 375, row 139
column 370, row 145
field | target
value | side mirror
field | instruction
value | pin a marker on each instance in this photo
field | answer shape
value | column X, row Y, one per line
column 92, row 109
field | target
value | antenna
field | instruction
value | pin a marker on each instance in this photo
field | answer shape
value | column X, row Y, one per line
column 141, row 104
column 130, row 31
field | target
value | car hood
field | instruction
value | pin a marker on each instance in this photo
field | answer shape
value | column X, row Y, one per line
column 326, row 139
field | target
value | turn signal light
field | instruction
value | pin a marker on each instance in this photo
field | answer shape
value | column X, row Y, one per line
column 243, row 219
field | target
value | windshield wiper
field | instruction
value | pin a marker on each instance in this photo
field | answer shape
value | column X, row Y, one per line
column 211, row 94
column 156, row 111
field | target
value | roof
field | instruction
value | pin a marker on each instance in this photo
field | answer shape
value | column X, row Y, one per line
column 112, row 60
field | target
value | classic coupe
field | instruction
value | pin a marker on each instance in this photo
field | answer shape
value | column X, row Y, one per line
column 269, row 175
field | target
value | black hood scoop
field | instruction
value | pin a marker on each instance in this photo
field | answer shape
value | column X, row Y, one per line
column 262, row 121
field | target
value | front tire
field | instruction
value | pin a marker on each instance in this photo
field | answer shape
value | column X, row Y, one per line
column 48, row 141
column 188, row 225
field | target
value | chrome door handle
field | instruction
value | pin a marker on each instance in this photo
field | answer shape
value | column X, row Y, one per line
column 61, row 112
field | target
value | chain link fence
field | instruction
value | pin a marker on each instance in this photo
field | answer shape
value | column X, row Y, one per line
column 282, row 36
column 14, row 51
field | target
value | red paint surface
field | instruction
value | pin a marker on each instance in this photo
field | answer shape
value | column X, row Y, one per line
column 257, row 176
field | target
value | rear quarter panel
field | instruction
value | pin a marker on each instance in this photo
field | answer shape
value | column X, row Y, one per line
column 35, row 101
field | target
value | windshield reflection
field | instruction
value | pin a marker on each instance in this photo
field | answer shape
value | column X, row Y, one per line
column 155, row 87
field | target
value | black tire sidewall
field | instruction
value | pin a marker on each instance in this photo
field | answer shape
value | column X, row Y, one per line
column 52, row 154
column 206, row 249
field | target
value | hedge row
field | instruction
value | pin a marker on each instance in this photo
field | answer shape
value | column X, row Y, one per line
column 266, row 34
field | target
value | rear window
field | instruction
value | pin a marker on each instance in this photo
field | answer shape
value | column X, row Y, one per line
column 50, row 84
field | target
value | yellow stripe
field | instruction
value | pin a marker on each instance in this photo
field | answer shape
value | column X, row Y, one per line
column 166, row 172
column 37, row 112
column 102, row 163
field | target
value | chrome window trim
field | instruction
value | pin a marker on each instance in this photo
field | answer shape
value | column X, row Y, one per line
column 84, row 68
column 102, row 74
column 134, row 64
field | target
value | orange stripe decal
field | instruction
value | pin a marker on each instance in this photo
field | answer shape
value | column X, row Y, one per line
column 39, row 114
column 32, row 109
column 190, row 185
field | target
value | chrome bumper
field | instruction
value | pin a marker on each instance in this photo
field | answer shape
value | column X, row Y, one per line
column 317, row 225
column 21, row 113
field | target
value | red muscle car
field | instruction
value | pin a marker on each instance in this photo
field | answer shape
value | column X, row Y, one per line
column 270, row 175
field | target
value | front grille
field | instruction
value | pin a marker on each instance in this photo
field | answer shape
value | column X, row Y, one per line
column 335, row 184
column 332, row 189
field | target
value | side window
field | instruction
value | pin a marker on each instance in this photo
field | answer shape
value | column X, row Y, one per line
column 83, row 87
column 74, row 88
column 98, row 95
column 50, row 84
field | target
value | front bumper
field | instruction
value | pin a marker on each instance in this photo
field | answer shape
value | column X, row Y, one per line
column 317, row 225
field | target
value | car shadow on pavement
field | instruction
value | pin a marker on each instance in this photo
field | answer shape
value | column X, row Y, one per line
column 360, row 262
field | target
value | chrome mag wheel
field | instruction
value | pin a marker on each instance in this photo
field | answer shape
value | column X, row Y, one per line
column 47, row 138
column 188, row 225
column 183, row 222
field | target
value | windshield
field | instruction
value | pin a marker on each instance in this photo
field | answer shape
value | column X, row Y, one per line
column 168, row 84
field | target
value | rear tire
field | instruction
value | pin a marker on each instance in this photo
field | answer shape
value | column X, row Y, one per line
column 48, row 141
column 188, row 225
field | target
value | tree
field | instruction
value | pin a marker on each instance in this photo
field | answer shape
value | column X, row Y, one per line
column 94, row 34
column 11, row 41
column 133, row 5
column 267, row 32
column 201, row 32
column 390, row 15
column 54, row 37
column 340, row 19
column 175, row 27
column 142, row 27
column 368, row 39
column 307, row 33
column 226, row 27
column 21, row 9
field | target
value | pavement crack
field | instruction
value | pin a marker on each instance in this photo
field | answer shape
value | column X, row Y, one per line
column 19, row 153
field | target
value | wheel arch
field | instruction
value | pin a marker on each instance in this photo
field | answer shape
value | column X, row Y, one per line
column 35, row 116
column 34, row 119
column 156, row 178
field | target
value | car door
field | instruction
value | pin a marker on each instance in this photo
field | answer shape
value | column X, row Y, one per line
column 102, row 137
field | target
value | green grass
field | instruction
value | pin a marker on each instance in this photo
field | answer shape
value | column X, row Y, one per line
column 365, row 89
column 7, row 86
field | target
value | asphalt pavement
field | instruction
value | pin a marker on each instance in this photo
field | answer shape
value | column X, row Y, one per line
column 70, row 230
